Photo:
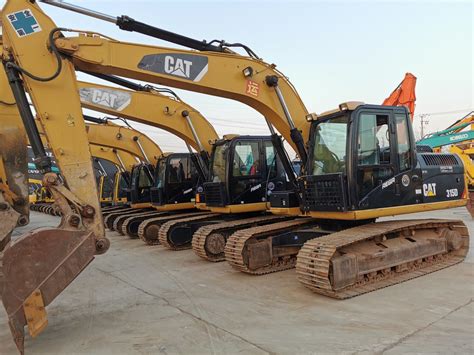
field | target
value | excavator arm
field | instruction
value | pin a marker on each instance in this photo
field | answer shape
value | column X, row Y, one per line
column 120, row 138
column 122, row 159
column 151, row 108
column 246, row 79
column 404, row 95
column 459, row 124
column 199, row 72
column 215, row 70
column 55, row 255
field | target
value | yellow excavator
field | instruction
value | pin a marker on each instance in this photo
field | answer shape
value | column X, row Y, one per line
column 122, row 146
column 119, row 182
column 142, row 221
column 104, row 134
column 360, row 164
column 41, row 201
column 155, row 191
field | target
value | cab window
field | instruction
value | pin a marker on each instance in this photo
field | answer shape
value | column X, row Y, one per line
column 176, row 170
column 329, row 152
column 403, row 142
column 123, row 185
column 373, row 140
column 144, row 179
column 270, row 159
column 218, row 163
column 246, row 159
column 373, row 152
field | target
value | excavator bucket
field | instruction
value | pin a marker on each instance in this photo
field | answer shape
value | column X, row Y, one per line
column 36, row 268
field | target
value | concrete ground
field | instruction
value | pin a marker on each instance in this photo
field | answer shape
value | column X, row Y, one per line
column 142, row 300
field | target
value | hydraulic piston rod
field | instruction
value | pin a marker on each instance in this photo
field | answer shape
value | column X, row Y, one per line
column 137, row 140
column 129, row 24
column 297, row 138
column 122, row 165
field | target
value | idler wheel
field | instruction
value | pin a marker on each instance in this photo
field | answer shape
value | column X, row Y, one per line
column 215, row 244
column 453, row 237
column 151, row 233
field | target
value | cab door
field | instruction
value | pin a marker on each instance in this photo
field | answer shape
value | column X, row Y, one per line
column 182, row 179
column 409, row 178
column 247, row 171
column 383, row 160
column 142, row 182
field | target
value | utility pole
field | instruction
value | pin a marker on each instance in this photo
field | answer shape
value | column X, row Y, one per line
column 423, row 123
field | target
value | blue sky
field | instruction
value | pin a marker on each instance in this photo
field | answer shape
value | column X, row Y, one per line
column 331, row 51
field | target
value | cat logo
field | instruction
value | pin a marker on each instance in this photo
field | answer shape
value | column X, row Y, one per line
column 104, row 98
column 177, row 66
column 109, row 98
column 186, row 66
column 429, row 190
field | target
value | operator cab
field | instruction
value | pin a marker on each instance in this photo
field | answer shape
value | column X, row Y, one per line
column 243, row 170
column 141, row 183
column 105, row 185
column 121, row 187
column 364, row 157
column 175, row 180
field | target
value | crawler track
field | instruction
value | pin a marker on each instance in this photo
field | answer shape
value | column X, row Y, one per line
column 366, row 251
column 107, row 210
column 125, row 224
column 166, row 227
column 239, row 257
column 148, row 231
column 110, row 218
column 209, row 241
column 120, row 221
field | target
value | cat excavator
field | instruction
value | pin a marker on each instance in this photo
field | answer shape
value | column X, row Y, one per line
column 119, row 182
column 158, row 191
column 118, row 144
column 40, row 200
column 360, row 164
column 260, row 85
column 173, row 184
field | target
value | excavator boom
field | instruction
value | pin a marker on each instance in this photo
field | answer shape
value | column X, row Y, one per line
column 151, row 108
column 404, row 95
column 248, row 80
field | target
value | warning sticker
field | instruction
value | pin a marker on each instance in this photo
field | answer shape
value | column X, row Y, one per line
column 24, row 23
